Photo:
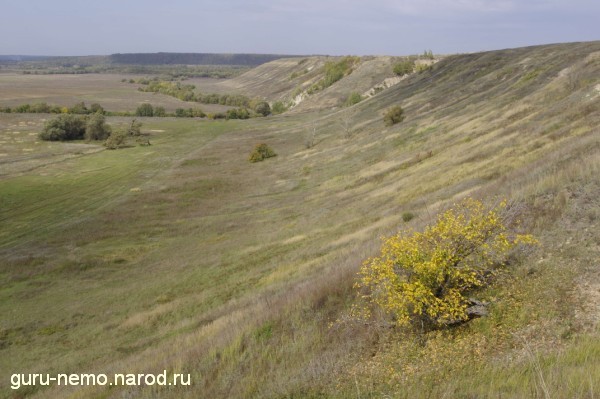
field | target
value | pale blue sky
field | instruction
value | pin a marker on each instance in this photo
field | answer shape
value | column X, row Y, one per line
column 82, row 27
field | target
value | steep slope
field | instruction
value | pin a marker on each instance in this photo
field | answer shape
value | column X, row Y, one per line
column 276, row 80
column 288, row 79
column 239, row 273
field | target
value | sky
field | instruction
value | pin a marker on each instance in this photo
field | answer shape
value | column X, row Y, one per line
column 333, row 27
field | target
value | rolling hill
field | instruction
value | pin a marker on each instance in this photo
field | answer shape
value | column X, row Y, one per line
column 184, row 257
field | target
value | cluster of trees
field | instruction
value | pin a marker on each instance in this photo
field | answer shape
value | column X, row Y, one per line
column 237, row 113
column 235, row 100
column 334, row 71
column 67, row 127
column 174, row 89
column 76, row 127
column 185, row 92
column 43, row 108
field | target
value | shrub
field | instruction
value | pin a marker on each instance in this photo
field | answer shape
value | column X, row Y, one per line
column 353, row 98
column 160, row 111
column 40, row 108
column 135, row 128
column 407, row 216
column 96, row 128
column 95, row 108
column 393, row 115
column 144, row 110
column 22, row 109
column 189, row 113
column 279, row 107
column 426, row 277
column 263, row 108
column 117, row 139
column 237, row 113
column 261, row 152
column 64, row 127
column 79, row 108
column 404, row 67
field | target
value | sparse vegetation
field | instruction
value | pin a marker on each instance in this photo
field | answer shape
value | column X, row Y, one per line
column 334, row 71
column 353, row 98
column 404, row 67
column 428, row 54
column 279, row 107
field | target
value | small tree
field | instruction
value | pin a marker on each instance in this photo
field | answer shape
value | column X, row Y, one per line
column 64, row 127
column 95, row 108
column 426, row 277
column 135, row 128
column 261, row 152
column 263, row 108
column 311, row 135
column 117, row 139
column 346, row 121
column 96, row 128
column 79, row 108
column 159, row 111
column 144, row 110
column 393, row 115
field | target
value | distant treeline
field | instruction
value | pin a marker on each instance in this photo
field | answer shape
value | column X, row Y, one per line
column 143, row 110
column 20, row 58
column 168, row 71
column 193, row 59
column 169, row 64
column 153, row 59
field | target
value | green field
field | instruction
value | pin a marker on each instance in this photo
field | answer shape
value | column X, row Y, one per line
column 183, row 256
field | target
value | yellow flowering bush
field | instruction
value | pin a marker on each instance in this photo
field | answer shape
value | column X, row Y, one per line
column 426, row 276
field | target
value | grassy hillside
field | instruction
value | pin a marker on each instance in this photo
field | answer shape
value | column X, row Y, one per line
column 290, row 79
column 185, row 257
